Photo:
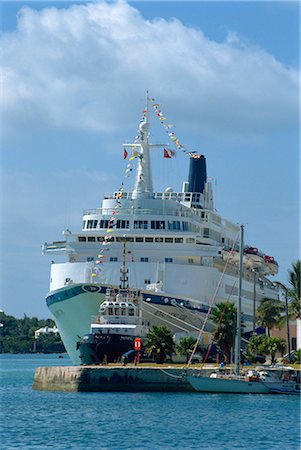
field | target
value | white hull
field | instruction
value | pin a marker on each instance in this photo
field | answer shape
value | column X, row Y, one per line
column 227, row 386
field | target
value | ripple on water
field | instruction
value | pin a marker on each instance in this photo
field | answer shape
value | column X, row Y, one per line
column 134, row 421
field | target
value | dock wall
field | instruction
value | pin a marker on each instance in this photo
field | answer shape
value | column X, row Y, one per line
column 108, row 378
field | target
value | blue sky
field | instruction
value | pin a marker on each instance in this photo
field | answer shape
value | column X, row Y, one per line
column 75, row 76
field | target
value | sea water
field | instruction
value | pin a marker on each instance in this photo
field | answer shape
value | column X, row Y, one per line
column 119, row 421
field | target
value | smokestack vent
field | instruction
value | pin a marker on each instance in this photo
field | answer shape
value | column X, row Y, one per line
column 197, row 174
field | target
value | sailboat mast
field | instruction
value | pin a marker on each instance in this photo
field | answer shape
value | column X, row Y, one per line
column 238, row 320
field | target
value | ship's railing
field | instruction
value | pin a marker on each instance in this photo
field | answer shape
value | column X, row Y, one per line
column 125, row 320
column 195, row 197
column 140, row 212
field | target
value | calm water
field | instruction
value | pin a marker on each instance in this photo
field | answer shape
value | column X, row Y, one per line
column 119, row 421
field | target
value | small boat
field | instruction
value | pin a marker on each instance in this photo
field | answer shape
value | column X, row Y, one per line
column 272, row 380
column 230, row 384
column 118, row 327
column 281, row 380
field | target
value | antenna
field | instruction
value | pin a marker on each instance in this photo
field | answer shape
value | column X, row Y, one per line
column 123, row 270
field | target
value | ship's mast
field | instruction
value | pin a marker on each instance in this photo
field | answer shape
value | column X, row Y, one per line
column 123, row 270
column 143, row 187
column 143, row 183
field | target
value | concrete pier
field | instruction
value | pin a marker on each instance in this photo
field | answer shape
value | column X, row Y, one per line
column 112, row 378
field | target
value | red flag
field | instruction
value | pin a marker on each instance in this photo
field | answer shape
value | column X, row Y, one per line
column 166, row 154
column 125, row 154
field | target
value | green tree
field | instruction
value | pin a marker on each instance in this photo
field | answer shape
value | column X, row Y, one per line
column 224, row 315
column 297, row 356
column 17, row 335
column 159, row 343
column 274, row 345
column 269, row 313
column 50, row 343
column 294, row 292
column 256, row 345
column 266, row 345
column 185, row 346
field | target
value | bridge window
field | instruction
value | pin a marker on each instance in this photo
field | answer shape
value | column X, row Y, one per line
column 169, row 240
column 141, row 224
column 168, row 260
column 149, row 239
column 158, row 239
column 176, row 225
column 158, row 224
column 143, row 259
column 82, row 238
column 103, row 223
column 91, row 238
column 185, row 226
column 139, row 239
column 84, row 224
column 206, row 232
column 91, row 224
column 122, row 224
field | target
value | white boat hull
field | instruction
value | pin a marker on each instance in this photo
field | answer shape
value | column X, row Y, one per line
column 227, row 385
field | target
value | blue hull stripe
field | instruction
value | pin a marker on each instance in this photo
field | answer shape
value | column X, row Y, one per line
column 156, row 299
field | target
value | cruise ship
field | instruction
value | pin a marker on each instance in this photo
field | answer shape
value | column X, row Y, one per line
column 181, row 254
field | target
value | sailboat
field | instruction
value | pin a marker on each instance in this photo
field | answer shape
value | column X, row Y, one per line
column 282, row 380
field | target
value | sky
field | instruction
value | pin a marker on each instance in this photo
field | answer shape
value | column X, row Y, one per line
column 75, row 77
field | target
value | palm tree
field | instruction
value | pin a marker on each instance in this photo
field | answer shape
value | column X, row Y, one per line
column 265, row 345
column 269, row 312
column 224, row 315
column 159, row 343
column 274, row 345
column 185, row 346
column 294, row 280
column 292, row 301
column 285, row 319
column 256, row 344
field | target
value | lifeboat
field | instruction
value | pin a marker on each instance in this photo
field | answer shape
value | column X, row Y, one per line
column 251, row 251
column 270, row 265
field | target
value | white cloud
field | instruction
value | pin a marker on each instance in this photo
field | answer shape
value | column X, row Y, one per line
column 88, row 66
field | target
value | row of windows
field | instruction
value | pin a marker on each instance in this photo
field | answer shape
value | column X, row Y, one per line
column 142, row 259
column 148, row 239
column 142, row 224
column 179, row 196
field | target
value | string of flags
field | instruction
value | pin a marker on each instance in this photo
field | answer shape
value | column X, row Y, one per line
column 171, row 135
